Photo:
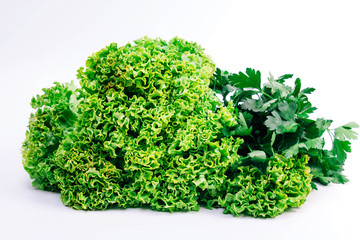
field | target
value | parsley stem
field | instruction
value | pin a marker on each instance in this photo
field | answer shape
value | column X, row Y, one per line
column 331, row 134
column 265, row 94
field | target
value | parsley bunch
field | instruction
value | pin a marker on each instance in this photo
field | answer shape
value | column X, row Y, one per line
column 274, row 119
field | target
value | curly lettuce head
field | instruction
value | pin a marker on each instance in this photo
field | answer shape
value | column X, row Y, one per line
column 147, row 132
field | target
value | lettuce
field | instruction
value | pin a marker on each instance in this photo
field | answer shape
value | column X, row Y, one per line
column 55, row 116
column 146, row 133
column 286, row 183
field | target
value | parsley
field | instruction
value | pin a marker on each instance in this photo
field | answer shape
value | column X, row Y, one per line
column 274, row 119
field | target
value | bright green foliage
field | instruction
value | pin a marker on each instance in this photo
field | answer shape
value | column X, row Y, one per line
column 145, row 130
column 148, row 131
column 56, row 113
column 285, row 183
column 274, row 119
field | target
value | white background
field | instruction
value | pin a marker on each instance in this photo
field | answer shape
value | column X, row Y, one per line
column 46, row 41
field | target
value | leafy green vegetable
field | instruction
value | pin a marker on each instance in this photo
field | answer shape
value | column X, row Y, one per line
column 345, row 132
column 251, row 79
column 147, row 132
column 286, row 183
column 277, row 122
column 54, row 119
column 144, row 129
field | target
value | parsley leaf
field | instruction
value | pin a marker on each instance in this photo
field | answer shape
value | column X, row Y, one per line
column 345, row 132
column 252, row 79
column 277, row 124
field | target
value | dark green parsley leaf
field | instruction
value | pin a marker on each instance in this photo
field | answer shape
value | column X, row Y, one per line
column 287, row 110
column 257, row 105
column 294, row 150
column 242, row 119
column 241, row 131
column 282, row 78
column 308, row 90
column 317, row 143
column 258, row 155
column 241, row 94
column 322, row 125
column 340, row 148
column 252, row 79
column 275, row 123
column 297, row 87
column 277, row 89
column 256, row 158
column 252, row 105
